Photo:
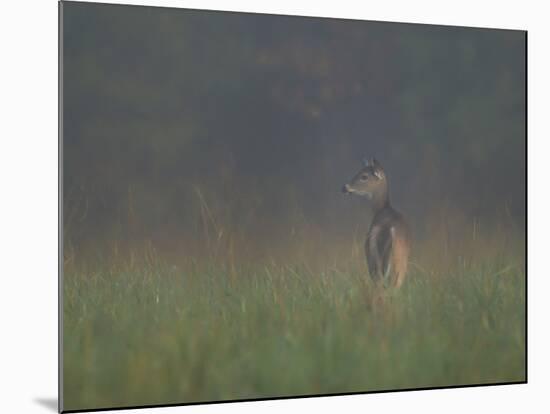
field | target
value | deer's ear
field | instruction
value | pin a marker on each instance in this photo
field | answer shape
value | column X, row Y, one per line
column 379, row 173
column 377, row 168
column 366, row 162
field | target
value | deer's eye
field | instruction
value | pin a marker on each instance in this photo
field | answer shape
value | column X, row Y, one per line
column 364, row 177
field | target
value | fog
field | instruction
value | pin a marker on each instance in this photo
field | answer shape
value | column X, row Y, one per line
column 183, row 127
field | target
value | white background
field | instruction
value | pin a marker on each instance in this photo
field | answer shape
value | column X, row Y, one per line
column 28, row 191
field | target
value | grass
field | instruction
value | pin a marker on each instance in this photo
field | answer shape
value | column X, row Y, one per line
column 144, row 332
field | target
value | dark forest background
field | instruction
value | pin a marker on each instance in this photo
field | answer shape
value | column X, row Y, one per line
column 189, row 129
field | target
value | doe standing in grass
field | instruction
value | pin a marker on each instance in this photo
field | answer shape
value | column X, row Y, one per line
column 388, row 244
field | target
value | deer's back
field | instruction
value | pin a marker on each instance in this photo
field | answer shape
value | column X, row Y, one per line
column 387, row 247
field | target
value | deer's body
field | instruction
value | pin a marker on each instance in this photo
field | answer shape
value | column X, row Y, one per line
column 388, row 245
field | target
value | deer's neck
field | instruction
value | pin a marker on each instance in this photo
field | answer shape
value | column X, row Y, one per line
column 380, row 199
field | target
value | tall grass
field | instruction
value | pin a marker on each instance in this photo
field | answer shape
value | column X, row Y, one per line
column 140, row 329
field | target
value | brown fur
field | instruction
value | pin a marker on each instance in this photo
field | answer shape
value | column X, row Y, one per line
column 400, row 258
column 388, row 245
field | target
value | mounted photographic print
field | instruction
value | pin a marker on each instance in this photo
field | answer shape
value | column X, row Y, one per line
column 266, row 206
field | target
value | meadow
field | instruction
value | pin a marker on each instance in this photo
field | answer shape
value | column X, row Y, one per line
column 209, row 253
column 142, row 330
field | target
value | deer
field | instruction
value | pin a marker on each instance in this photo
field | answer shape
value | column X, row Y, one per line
column 388, row 241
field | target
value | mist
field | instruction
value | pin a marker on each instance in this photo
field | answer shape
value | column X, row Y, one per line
column 191, row 130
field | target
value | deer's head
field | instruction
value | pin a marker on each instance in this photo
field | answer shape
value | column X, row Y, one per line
column 369, row 182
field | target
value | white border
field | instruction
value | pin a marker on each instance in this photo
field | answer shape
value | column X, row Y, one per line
column 28, row 181
column 509, row 15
